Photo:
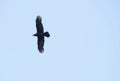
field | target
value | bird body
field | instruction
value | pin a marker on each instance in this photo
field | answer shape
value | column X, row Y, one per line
column 40, row 34
column 46, row 34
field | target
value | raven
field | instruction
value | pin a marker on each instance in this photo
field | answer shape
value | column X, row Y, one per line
column 40, row 34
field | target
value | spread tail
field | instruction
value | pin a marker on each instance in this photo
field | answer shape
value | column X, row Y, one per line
column 47, row 34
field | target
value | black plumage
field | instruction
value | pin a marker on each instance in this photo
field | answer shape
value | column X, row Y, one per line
column 40, row 34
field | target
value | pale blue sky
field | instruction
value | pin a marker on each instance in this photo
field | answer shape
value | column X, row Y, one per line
column 84, row 43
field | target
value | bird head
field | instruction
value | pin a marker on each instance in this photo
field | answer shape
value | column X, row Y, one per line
column 35, row 34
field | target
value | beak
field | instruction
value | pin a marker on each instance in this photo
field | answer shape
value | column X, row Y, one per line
column 34, row 35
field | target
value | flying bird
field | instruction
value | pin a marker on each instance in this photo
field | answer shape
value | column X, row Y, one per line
column 40, row 34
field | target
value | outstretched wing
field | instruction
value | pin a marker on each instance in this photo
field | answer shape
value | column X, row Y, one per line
column 41, row 44
column 39, row 25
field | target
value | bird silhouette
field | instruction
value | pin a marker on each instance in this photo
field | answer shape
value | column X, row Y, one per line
column 40, row 34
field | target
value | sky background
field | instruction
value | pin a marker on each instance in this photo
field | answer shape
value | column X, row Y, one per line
column 84, row 43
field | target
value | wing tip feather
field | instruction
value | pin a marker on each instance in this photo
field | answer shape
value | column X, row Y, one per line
column 41, row 50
